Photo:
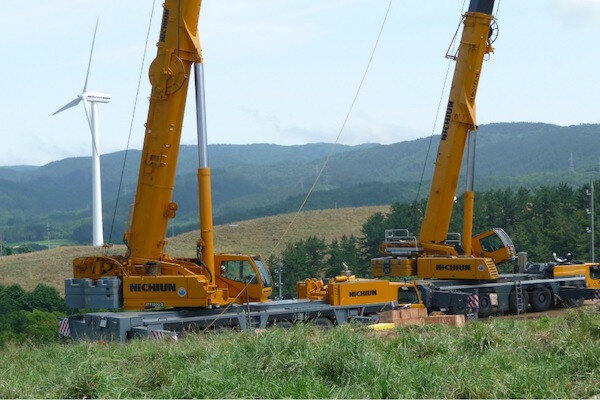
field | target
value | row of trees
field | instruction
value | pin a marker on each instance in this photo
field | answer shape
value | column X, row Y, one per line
column 30, row 316
column 540, row 221
column 314, row 257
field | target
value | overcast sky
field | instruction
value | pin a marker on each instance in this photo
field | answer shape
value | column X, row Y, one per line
column 285, row 71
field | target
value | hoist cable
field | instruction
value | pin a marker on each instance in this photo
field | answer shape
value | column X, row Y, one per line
column 437, row 113
column 497, row 9
column 137, row 93
column 341, row 130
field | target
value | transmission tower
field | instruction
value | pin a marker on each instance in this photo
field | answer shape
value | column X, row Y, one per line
column 571, row 163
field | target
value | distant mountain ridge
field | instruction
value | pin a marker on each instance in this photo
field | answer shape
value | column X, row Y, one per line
column 265, row 179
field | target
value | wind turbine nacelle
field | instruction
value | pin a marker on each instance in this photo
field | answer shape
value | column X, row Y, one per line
column 96, row 97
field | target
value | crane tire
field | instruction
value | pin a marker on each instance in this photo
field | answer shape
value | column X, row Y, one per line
column 541, row 299
column 512, row 302
column 485, row 306
column 322, row 322
column 283, row 324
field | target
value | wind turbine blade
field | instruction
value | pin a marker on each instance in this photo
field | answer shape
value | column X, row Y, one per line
column 68, row 105
column 88, row 114
column 87, row 75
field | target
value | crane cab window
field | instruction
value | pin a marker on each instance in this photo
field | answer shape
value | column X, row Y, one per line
column 238, row 270
column 407, row 295
column 491, row 243
column 265, row 276
column 595, row 272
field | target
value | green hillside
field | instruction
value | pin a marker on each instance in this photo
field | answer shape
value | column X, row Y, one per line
column 257, row 236
column 257, row 180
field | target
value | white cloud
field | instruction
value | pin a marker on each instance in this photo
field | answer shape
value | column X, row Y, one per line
column 360, row 128
column 577, row 14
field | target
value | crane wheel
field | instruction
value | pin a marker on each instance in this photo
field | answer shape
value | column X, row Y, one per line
column 512, row 302
column 323, row 323
column 485, row 306
column 283, row 324
column 541, row 299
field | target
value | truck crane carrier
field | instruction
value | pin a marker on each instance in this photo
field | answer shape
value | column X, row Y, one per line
column 213, row 290
column 466, row 263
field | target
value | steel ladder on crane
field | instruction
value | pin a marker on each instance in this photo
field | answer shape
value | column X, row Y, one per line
column 519, row 297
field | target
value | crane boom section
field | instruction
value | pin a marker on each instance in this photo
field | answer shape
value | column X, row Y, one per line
column 178, row 49
column 460, row 118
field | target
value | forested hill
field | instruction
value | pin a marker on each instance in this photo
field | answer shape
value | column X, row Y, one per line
column 263, row 179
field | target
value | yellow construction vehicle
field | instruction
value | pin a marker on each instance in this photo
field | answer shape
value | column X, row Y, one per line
column 191, row 292
column 591, row 271
column 434, row 254
column 346, row 289
column 567, row 267
column 466, row 262
column 150, row 277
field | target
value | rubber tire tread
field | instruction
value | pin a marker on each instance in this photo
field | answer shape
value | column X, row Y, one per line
column 541, row 305
column 484, row 312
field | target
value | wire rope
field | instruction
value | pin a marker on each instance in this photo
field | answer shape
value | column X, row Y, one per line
column 437, row 113
column 137, row 93
column 341, row 130
column 497, row 9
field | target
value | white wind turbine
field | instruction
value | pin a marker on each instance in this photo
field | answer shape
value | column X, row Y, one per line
column 90, row 104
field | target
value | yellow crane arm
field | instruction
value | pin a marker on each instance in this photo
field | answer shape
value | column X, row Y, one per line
column 178, row 49
column 460, row 118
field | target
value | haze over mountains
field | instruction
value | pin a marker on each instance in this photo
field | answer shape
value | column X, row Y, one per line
column 263, row 179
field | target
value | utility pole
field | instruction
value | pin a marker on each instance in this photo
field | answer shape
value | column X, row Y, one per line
column 590, row 211
column 48, row 232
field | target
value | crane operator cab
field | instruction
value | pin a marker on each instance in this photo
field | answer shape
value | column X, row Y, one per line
column 494, row 244
column 238, row 272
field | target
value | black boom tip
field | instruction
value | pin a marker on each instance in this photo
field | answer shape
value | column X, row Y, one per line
column 482, row 6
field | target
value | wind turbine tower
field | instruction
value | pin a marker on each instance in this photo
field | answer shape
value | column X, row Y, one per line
column 90, row 105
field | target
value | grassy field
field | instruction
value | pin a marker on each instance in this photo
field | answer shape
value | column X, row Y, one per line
column 257, row 236
column 551, row 357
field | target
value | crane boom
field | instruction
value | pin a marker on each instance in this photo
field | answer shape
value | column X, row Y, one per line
column 178, row 49
column 147, row 277
column 434, row 254
column 460, row 118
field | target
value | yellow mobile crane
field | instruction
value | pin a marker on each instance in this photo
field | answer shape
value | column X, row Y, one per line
column 433, row 254
column 149, row 276
column 470, row 264
column 191, row 292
